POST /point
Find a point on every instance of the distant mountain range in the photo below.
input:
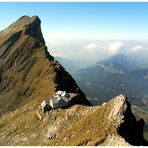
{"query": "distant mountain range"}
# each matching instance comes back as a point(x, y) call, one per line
point(126, 61)
point(118, 74)
point(70, 65)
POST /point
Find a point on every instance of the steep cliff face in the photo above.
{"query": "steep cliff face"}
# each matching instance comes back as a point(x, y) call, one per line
point(28, 73)
point(127, 125)
point(111, 124)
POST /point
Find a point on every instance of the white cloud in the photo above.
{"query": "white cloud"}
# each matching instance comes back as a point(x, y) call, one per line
point(114, 47)
point(91, 51)
point(137, 48)
point(91, 46)
point(104, 50)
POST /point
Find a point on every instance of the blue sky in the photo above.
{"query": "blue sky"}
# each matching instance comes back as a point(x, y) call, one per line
point(94, 20)
point(94, 30)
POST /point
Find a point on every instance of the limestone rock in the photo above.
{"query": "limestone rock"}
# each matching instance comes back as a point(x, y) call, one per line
point(125, 121)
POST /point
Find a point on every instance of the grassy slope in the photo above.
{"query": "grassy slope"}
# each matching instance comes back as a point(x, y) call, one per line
point(28, 73)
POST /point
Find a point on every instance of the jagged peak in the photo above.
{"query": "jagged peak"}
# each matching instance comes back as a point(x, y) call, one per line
point(24, 17)
point(29, 25)
point(24, 21)
point(119, 106)
point(34, 28)
point(28, 17)
point(122, 117)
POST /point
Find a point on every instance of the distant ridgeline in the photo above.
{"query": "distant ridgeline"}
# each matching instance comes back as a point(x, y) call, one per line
point(118, 74)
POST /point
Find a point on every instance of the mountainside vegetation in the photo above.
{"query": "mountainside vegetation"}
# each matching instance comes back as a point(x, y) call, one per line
point(28, 73)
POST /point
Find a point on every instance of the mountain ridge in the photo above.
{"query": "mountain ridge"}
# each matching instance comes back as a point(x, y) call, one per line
point(26, 66)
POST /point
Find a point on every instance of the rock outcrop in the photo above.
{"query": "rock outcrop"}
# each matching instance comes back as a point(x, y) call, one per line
point(127, 125)
point(112, 124)
point(28, 73)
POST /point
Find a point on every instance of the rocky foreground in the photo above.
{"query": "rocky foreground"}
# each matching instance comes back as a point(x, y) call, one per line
point(111, 124)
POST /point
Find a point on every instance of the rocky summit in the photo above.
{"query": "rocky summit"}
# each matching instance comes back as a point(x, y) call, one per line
point(28, 73)
point(29, 76)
